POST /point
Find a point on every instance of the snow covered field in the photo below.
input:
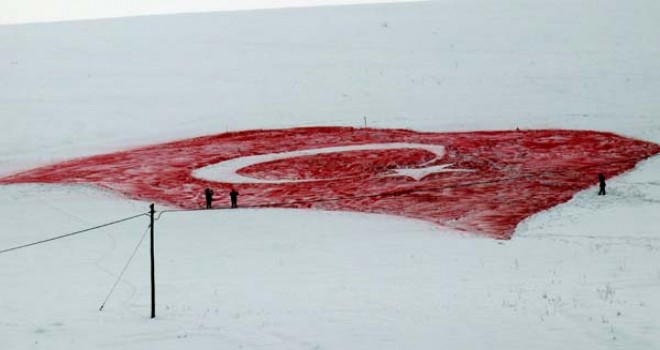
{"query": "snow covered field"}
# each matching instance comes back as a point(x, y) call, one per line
point(585, 274)
point(30, 11)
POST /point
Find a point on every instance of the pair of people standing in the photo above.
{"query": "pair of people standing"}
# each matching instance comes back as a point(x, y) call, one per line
point(208, 195)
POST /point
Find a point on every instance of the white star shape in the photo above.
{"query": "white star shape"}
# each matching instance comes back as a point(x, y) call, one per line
point(420, 173)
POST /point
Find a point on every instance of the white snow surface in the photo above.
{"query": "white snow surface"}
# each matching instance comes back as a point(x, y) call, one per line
point(30, 11)
point(583, 275)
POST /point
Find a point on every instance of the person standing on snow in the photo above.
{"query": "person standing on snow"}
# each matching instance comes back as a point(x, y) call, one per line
point(601, 181)
point(234, 198)
point(208, 195)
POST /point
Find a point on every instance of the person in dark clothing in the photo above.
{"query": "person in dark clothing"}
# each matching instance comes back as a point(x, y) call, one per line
point(234, 198)
point(208, 195)
point(601, 181)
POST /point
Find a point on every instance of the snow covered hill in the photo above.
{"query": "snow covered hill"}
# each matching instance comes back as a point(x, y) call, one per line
point(585, 274)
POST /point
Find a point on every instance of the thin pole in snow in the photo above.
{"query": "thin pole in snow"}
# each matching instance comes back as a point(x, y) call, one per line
point(152, 213)
point(365, 121)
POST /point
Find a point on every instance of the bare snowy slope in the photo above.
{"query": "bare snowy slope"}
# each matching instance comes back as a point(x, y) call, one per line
point(585, 274)
point(82, 87)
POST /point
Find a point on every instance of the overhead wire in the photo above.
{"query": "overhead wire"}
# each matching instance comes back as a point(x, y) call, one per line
point(72, 233)
point(121, 274)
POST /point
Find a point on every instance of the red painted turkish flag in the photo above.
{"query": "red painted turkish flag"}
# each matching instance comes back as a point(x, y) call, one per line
point(483, 182)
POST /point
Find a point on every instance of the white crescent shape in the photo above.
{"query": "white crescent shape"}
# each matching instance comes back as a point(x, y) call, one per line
point(227, 171)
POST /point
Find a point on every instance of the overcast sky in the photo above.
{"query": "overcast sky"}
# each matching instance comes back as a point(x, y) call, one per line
point(26, 11)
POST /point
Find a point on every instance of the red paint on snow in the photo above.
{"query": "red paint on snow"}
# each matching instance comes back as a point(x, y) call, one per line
point(515, 173)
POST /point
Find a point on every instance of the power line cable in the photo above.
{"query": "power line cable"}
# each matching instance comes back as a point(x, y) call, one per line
point(72, 233)
point(121, 274)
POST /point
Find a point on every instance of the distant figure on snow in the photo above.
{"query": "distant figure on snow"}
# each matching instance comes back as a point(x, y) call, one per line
point(208, 195)
point(601, 182)
point(234, 198)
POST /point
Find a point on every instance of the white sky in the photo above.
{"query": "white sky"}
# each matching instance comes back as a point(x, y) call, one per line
point(27, 11)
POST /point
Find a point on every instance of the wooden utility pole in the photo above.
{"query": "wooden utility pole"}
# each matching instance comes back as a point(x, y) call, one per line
point(153, 275)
